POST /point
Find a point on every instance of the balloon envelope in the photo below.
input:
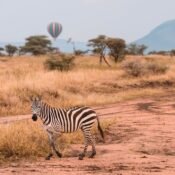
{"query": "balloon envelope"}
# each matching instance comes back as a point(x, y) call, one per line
point(54, 29)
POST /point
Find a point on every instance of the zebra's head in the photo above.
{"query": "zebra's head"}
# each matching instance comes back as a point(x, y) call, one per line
point(36, 108)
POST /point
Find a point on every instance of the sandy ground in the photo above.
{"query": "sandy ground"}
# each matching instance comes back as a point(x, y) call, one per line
point(142, 142)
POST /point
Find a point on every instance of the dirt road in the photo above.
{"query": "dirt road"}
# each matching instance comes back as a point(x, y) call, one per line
point(142, 142)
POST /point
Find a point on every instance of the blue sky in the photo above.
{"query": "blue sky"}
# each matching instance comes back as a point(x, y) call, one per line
point(83, 19)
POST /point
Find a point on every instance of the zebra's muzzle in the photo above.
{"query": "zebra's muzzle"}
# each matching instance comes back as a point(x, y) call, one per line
point(34, 117)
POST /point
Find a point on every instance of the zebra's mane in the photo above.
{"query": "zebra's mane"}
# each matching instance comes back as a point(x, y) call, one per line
point(66, 109)
point(73, 107)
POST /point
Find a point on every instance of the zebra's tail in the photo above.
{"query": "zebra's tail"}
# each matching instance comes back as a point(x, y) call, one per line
point(100, 129)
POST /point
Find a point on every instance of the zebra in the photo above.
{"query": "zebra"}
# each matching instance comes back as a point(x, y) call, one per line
point(62, 120)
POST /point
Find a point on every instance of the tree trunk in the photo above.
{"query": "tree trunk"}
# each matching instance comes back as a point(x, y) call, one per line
point(116, 58)
point(104, 58)
point(100, 61)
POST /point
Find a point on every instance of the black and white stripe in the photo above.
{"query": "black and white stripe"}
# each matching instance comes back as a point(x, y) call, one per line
point(58, 120)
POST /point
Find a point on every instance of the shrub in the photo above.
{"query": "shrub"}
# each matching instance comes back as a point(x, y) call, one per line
point(61, 62)
point(138, 68)
point(80, 52)
point(134, 68)
point(156, 68)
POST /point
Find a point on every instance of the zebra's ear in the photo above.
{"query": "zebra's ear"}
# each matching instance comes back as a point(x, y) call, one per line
point(31, 98)
point(39, 98)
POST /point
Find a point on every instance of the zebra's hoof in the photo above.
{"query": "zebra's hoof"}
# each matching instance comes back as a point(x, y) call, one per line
point(81, 156)
point(49, 156)
point(92, 155)
point(59, 154)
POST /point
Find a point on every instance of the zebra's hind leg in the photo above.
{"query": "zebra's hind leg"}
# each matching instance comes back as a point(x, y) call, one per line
point(52, 139)
point(49, 156)
point(82, 155)
point(92, 142)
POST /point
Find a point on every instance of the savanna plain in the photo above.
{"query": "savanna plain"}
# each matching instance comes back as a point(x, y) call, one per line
point(137, 93)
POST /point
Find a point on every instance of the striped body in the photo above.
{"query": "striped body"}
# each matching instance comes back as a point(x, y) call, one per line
point(67, 120)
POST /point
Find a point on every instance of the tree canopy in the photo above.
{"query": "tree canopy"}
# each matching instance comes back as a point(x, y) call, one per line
point(99, 47)
point(116, 48)
point(11, 49)
point(37, 45)
point(103, 45)
point(135, 49)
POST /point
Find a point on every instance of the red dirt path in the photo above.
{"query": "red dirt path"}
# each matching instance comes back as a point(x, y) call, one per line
point(142, 142)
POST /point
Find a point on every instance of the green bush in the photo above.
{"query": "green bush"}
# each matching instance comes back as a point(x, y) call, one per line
point(61, 62)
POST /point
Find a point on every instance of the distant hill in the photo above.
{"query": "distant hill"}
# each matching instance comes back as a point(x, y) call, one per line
point(160, 38)
point(60, 43)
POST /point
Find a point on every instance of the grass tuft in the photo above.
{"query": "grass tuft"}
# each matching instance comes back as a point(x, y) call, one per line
point(28, 140)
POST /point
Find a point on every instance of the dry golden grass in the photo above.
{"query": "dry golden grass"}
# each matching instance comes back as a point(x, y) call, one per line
point(87, 84)
point(28, 140)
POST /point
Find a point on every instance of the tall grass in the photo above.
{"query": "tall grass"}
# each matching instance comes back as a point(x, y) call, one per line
point(87, 84)
point(28, 140)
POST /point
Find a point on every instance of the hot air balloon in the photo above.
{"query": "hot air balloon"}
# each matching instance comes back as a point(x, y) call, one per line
point(54, 29)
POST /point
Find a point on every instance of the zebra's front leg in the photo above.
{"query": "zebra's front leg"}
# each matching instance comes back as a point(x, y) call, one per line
point(52, 139)
point(50, 143)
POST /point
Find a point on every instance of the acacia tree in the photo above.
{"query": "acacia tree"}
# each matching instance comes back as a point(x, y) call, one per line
point(1, 49)
point(11, 49)
point(142, 49)
point(99, 47)
point(37, 45)
point(172, 53)
point(80, 52)
point(116, 48)
point(132, 49)
point(135, 49)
